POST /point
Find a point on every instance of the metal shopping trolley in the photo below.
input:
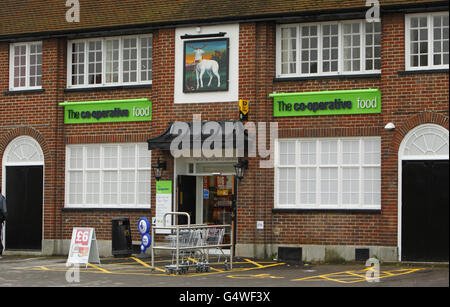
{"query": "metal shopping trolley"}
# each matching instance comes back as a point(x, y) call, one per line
point(186, 242)
point(190, 245)
point(214, 237)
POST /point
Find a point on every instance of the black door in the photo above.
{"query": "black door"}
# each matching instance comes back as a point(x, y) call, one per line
point(24, 199)
point(425, 211)
point(187, 198)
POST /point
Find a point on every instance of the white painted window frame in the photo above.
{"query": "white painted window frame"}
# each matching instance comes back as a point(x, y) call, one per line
point(27, 66)
point(318, 166)
point(86, 62)
point(430, 41)
point(102, 170)
point(320, 72)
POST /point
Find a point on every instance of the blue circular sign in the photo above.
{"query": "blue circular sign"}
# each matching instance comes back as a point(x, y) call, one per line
point(143, 225)
point(146, 240)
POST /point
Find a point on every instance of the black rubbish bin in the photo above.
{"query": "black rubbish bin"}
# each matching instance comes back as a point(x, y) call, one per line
point(121, 237)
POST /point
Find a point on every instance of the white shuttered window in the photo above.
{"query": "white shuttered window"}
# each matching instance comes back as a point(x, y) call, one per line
point(328, 173)
point(108, 175)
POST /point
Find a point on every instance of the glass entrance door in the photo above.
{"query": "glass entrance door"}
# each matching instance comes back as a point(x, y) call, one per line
point(218, 193)
point(218, 199)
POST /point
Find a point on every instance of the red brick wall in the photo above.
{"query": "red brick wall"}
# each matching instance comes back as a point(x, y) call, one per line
point(36, 115)
point(405, 98)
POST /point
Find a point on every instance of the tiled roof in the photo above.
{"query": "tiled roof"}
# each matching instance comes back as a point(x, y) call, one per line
point(40, 16)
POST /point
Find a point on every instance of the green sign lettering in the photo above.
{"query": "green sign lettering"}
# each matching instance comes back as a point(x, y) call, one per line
point(164, 187)
point(327, 103)
point(107, 111)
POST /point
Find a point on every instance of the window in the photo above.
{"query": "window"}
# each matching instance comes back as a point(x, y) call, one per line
point(26, 66)
point(427, 41)
point(335, 173)
point(110, 61)
point(108, 176)
point(330, 48)
point(289, 50)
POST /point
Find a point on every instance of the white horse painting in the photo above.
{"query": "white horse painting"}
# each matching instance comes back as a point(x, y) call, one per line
point(211, 67)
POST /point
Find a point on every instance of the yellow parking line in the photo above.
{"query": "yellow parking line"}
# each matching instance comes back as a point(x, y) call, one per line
point(357, 276)
point(256, 267)
point(98, 268)
point(146, 265)
point(122, 269)
point(255, 263)
point(217, 270)
point(141, 262)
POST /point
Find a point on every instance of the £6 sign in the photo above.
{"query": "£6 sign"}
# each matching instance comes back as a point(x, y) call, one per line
point(82, 236)
point(83, 247)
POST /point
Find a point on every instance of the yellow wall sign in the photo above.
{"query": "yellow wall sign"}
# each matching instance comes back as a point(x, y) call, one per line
point(222, 192)
point(243, 106)
point(243, 109)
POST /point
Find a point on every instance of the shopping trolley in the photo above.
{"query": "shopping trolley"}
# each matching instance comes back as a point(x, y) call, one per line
point(190, 245)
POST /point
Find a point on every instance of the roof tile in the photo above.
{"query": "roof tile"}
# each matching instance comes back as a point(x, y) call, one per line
point(36, 16)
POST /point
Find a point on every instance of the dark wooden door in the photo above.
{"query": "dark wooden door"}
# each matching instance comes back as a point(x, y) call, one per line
point(187, 198)
point(425, 214)
point(24, 200)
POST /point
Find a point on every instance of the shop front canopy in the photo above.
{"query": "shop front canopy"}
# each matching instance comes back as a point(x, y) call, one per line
point(204, 134)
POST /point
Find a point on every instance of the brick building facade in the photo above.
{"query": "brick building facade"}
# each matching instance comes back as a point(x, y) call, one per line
point(414, 97)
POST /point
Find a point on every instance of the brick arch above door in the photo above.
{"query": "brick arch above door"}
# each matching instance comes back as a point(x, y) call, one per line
point(25, 132)
point(404, 128)
point(23, 150)
point(425, 142)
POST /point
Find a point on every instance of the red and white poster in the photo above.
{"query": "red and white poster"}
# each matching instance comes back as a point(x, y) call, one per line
point(83, 247)
point(221, 182)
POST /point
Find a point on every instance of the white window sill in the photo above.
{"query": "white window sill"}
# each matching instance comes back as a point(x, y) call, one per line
point(337, 76)
point(373, 209)
point(107, 87)
point(106, 207)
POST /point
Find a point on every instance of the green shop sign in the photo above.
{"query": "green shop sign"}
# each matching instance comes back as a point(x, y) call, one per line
point(327, 103)
point(164, 187)
point(107, 111)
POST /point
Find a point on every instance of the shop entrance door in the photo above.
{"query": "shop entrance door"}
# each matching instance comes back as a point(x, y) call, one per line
point(219, 203)
point(425, 212)
point(24, 194)
point(187, 198)
point(218, 197)
point(207, 190)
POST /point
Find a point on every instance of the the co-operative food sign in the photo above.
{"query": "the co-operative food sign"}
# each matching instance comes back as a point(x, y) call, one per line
point(327, 103)
point(107, 111)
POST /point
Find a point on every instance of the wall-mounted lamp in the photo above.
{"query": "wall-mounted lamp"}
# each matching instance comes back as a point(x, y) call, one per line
point(240, 168)
point(158, 168)
point(389, 126)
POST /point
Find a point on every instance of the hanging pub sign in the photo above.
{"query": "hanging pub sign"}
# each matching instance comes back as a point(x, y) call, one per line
point(206, 65)
point(366, 101)
point(107, 111)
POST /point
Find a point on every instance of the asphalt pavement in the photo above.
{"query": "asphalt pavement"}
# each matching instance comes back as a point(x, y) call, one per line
point(254, 273)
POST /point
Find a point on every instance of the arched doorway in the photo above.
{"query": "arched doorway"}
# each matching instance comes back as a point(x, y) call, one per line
point(423, 212)
point(23, 169)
